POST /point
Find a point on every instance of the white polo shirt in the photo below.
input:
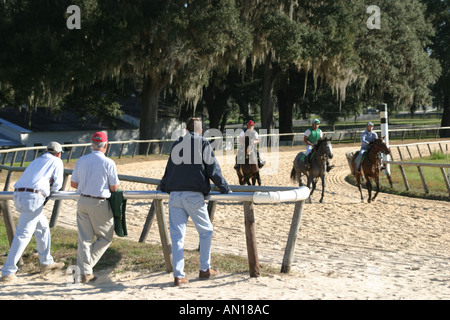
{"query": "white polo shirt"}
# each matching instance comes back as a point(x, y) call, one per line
point(94, 173)
point(39, 173)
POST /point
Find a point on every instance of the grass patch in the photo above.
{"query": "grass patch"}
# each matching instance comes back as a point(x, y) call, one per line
point(123, 255)
point(433, 177)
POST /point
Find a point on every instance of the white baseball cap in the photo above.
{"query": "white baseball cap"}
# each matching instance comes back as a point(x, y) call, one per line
point(54, 147)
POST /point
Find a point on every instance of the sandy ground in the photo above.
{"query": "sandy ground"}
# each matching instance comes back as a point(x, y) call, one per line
point(394, 248)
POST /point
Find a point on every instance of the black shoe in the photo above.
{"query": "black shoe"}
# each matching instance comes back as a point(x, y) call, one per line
point(261, 164)
point(330, 167)
point(236, 167)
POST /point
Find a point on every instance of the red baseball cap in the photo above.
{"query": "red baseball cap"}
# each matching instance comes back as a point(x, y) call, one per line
point(250, 123)
point(100, 137)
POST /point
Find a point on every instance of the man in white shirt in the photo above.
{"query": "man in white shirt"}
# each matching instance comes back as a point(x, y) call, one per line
point(42, 176)
point(95, 177)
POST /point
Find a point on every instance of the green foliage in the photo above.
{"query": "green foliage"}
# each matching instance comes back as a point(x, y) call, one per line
point(175, 49)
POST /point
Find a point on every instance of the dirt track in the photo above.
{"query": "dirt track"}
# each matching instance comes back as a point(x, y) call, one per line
point(393, 237)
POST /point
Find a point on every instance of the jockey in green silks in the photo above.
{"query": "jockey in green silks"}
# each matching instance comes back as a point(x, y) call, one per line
point(311, 137)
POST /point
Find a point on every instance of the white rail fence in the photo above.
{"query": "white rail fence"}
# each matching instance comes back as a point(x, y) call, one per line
point(131, 147)
point(248, 195)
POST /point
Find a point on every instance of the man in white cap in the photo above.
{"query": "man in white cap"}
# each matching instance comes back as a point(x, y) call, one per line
point(366, 138)
point(95, 177)
point(42, 176)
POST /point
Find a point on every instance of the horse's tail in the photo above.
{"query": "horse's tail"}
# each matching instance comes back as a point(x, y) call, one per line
point(293, 175)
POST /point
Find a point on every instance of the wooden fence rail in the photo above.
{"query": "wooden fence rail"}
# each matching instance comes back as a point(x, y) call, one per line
point(419, 166)
point(296, 195)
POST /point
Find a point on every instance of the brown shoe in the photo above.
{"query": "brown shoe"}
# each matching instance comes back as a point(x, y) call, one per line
point(180, 281)
point(208, 274)
point(52, 267)
point(85, 278)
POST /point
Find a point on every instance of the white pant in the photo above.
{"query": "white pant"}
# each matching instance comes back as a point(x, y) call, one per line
point(31, 221)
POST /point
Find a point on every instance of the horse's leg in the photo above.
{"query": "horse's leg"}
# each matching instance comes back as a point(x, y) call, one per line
point(299, 175)
point(358, 182)
point(247, 179)
point(369, 189)
point(313, 181)
point(377, 181)
point(258, 178)
point(308, 184)
point(323, 187)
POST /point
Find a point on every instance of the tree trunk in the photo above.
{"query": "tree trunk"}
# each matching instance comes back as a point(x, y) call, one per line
point(216, 104)
point(285, 108)
point(271, 72)
point(445, 122)
point(148, 128)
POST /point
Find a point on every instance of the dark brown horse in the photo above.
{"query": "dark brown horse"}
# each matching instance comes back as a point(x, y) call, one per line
point(322, 151)
point(370, 166)
point(249, 170)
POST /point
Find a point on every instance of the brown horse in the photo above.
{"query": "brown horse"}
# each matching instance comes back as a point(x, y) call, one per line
point(249, 169)
point(370, 166)
point(322, 151)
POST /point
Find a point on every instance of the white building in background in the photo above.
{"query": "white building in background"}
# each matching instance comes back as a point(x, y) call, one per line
point(68, 130)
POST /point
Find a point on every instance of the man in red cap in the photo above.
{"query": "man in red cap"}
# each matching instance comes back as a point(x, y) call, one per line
point(254, 139)
point(95, 177)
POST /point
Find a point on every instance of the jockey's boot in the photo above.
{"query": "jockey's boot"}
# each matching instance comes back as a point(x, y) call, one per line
point(307, 164)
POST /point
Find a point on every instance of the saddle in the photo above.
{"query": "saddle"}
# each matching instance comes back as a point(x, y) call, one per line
point(303, 157)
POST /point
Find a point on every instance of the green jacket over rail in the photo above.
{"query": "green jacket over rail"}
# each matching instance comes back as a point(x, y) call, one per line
point(118, 206)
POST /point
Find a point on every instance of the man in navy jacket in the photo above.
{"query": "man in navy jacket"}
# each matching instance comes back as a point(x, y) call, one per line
point(190, 168)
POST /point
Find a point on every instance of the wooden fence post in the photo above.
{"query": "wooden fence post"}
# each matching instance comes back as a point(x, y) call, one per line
point(148, 223)
point(252, 251)
point(163, 233)
point(405, 180)
point(8, 218)
point(409, 152)
point(57, 205)
point(423, 179)
point(400, 153)
point(445, 179)
point(292, 239)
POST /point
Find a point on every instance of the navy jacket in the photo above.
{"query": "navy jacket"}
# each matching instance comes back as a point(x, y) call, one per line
point(191, 165)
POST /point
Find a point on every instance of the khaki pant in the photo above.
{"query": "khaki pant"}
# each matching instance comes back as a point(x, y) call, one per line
point(95, 222)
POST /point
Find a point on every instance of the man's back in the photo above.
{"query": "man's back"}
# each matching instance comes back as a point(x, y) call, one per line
point(94, 173)
point(191, 165)
point(40, 172)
